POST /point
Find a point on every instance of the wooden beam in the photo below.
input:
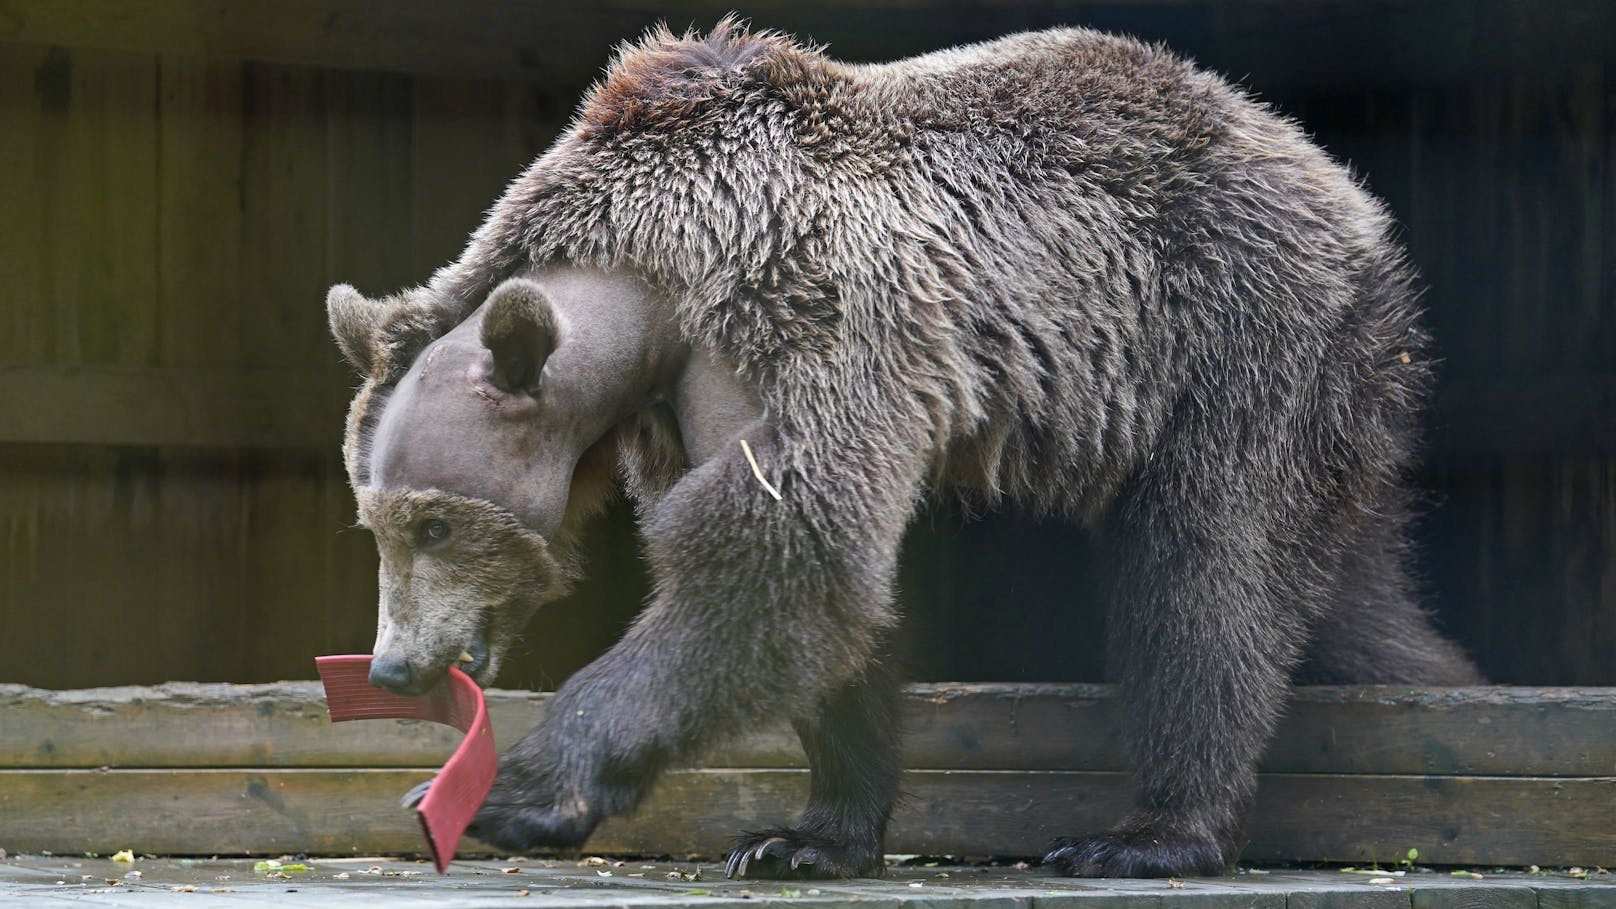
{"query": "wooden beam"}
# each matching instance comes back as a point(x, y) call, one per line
point(1299, 817)
point(109, 405)
point(1494, 731)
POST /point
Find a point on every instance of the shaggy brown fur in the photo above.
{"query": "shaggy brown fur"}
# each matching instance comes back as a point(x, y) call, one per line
point(1063, 271)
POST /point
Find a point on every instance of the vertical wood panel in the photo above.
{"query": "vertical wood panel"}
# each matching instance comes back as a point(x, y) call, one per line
point(284, 203)
point(369, 225)
point(81, 154)
point(81, 594)
point(97, 169)
point(118, 316)
point(204, 550)
point(470, 137)
point(132, 566)
point(1509, 223)
point(451, 145)
point(349, 563)
point(202, 232)
point(201, 223)
point(284, 584)
point(25, 319)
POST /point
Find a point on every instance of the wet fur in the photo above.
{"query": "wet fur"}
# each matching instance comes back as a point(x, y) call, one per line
point(1064, 272)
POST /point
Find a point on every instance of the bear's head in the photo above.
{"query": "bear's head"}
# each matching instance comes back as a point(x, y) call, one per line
point(474, 466)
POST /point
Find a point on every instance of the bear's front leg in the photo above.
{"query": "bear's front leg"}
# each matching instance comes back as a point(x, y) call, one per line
point(1208, 619)
point(764, 609)
point(852, 748)
point(529, 807)
point(557, 784)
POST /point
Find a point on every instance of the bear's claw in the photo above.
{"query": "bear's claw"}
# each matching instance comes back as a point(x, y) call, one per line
point(1139, 852)
point(783, 853)
point(413, 798)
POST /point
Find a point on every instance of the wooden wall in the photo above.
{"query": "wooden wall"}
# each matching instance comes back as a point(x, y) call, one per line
point(172, 504)
point(178, 187)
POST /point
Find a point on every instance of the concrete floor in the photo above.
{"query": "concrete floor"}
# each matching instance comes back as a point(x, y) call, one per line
point(38, 880)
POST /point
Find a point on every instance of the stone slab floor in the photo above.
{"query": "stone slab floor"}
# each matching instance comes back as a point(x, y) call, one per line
point(51, 881)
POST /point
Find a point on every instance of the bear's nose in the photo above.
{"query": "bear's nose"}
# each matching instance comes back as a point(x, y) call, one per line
point(391, 673)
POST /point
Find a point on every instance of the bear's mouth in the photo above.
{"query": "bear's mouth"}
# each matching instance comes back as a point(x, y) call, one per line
point(474, 659)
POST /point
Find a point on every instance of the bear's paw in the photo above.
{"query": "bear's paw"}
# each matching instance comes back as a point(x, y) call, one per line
point(1137, 851)
point(785, 854)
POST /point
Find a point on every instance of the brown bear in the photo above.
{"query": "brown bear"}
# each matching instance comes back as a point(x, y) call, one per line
point(779, 299)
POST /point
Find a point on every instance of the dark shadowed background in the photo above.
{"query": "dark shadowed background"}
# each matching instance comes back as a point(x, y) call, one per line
point(181, 180)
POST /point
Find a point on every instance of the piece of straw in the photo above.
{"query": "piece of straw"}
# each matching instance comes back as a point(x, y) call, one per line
point(758, 471)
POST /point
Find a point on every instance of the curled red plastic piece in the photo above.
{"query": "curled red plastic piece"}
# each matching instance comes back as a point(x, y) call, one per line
point(461, 786)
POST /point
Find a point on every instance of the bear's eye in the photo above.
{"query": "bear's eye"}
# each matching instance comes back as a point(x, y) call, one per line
point(434, 530)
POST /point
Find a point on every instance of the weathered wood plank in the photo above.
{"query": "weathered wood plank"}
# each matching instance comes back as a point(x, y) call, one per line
point(1497, 730)
point(1451, 820)
point(1441, 732)
point(1486, 895)
point(180, 407)
point(1578, 898)
point(1551, 731)
point(1299, 817)
point(1383, 898)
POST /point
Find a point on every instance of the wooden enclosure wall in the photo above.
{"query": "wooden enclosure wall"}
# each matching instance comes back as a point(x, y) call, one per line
point(172, 503)
point(180, 184)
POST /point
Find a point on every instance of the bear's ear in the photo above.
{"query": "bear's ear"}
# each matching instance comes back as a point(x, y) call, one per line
point(520, 329)
point(354, 320)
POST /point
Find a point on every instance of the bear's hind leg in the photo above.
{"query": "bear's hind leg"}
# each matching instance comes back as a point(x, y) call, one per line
point(852, 747)
point(1373, 631)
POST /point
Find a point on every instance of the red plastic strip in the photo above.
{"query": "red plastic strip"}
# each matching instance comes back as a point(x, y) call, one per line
point(461, 786)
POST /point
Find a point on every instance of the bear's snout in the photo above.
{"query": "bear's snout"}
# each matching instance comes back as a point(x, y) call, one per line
point(394, 674)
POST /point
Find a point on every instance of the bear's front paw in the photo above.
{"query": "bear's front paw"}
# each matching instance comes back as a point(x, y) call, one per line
point(782, 853)
point(526, 815)
point(518, 828)
point(506, 821)
point(1146, 850)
